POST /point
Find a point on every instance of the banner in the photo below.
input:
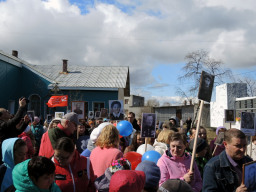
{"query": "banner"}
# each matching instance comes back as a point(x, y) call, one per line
point(58, 101)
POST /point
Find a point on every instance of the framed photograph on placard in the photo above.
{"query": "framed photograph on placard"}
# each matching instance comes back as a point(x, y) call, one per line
point(247, 123)
point(103, 113)
point(31, 115)
point(78, 107)
point(59, 115)
point(116, 110)
point(97, 114)
point(91, 115)
point(148, 125)
point(49, 118)
point(249, 176)
point(205, 87)
point(230, 115)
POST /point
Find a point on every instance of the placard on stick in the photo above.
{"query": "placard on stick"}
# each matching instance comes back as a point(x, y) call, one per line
point(205, 87)
point(148, 125)
point(249, 176)
point(230, 115)
point(248, 123)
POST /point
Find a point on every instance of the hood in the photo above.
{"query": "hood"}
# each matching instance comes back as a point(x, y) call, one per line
point(169, 155)
point(7, 152)
point(160, 147)
point(90, 145)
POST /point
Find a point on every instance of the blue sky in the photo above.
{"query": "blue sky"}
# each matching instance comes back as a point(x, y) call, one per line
point(151, 37)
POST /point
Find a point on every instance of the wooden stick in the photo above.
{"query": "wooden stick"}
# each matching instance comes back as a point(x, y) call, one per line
point(146, 142)
point(196, 136)
point(214, 150)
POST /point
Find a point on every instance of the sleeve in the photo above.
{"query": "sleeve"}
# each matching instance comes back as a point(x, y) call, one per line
point(209, 179)
point(164, 171)
point(198, 179)
point(118, 155)
point(91, 185)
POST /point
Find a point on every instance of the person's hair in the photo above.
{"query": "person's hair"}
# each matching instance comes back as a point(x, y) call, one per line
point(134, 144)
point(233, 133)
point(191, 130)
point(131, 113)
point(201, 127)
point(178, 137)
point(164, 136)
point(108, 138)
point(165, 125)
point(1, 111)
point(18, 143)
point(38, 166)
point(115, 103)
point(65, 144)
point(254, 138)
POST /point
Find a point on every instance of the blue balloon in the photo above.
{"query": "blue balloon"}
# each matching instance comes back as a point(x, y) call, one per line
point(125, 128)
point(151, 156)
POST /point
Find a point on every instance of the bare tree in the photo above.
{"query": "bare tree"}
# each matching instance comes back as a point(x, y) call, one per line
point(166, 104)
point(196, 62)
point(251, 85)
point(152, 103)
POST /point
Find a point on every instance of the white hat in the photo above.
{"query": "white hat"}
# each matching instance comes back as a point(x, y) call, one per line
point(96, 132)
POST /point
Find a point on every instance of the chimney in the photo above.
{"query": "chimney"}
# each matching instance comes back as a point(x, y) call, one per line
point(185, 102)
point(65, 66)
point(190, 101)
point(14, 53)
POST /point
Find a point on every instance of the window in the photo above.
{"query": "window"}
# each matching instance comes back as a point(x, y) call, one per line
point(35, 104)
point(97, 106)
point(126, 101)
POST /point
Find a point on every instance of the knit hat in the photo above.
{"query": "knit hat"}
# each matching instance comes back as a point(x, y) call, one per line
point(200, 144)
point(120, 164)
point(36, 119)
point(218, 128)
point(73, 117)
point(127, 181)
point(152, 173)
point(175, 185)
point(96, 132)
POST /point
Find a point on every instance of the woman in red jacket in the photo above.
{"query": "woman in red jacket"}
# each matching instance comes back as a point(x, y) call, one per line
point(73, 172)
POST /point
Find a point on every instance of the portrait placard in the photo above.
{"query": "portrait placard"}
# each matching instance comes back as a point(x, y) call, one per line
point(249, 175)
point(230, 115)
point(49, 118)
point(220, 138)
point(91, 114)
point(31, 115)
point(116, 110)
point(148, 125)
point(205, 87)
point(97, 114)
point(247, 123)
point(79, 108)
point(59, 115)
point(103, 113)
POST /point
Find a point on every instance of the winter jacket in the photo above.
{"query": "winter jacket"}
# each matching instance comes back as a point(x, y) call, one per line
point(25, 137)
point(49, 140)
point(8, 159)
point(135, 125)
point(23, 183)
point(37, 131)
point(75, 177)
point(102, 158)
point(176, 167)
point(219, 174)
point(160, 147)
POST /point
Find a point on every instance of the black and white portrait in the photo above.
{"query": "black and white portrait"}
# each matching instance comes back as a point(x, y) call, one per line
point(230, 115)
point(78, 108)
point(148, 125)
point(206, 85)
point(97, 114)
point(59, 115)
point(103, 113)
point(247, 120)
point(91, 115)
point(116, 110)
point(250, 176)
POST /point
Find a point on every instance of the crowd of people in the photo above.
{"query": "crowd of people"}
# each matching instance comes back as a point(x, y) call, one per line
point(90, 155)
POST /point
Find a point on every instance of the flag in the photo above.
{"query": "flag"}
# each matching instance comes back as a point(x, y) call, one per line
point(58, 101)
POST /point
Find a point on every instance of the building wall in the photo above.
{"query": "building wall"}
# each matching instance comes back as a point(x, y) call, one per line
point(138, 111)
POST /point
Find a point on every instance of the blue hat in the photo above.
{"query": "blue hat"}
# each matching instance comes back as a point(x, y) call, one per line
point(152, 173)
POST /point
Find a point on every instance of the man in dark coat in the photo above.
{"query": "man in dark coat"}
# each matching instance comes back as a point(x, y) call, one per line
point(133, 121)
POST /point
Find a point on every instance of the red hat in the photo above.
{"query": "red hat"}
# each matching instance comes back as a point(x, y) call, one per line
point(127, 181)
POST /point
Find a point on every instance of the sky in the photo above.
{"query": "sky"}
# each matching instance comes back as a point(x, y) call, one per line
point(152, 37)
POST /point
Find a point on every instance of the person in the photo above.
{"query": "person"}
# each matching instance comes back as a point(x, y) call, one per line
point(175, 164)
point(106, 150)
point(73, 172)
point(66, 128)
point(78, 109)
point(152, 173)
point(162, 142)
point(148, 126)
point(136, 142)
point(102, 182)
point(127, 181)
point(36, 174)
point(116, 113)
point(8, 124)
point(173, 123)
point(205, 90)
point(217, 150)
point(28, 137)
point(175, 185)
point(54, 124)
point(251, 148)
point(133, 121)
point(224, 172)
point(189, 122)
point(82, 138)
point(38, 131)
point(14, 151)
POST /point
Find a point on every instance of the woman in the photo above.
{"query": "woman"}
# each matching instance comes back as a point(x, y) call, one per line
point(175, 164)
point(136, 142)
point(36, 174)
point(106, 150)
point(162, 141)
point(73, 172)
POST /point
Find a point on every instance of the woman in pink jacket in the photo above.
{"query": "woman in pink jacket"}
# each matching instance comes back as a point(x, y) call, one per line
point(175, 164)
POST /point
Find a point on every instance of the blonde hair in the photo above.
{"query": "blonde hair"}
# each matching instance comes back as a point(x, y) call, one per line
point(108, 138)
point(165, 136)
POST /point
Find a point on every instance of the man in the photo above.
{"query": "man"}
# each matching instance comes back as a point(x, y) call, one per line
point(38, 131)
point(189, 122)
point(148, 127)
point(66, 128)
point(133, 121)
point(12, 127)
point(224, 172)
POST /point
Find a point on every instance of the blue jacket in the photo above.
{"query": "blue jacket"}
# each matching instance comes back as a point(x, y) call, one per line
point(219, 174)
point(22, 181)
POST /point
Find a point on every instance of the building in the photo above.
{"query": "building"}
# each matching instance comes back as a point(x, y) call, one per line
point(93, 85)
